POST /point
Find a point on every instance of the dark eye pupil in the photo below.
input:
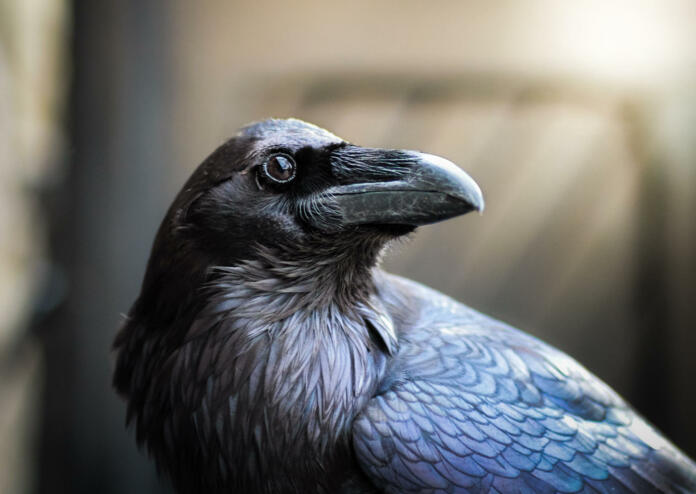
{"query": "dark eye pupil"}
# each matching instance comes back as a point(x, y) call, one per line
point(280, 168)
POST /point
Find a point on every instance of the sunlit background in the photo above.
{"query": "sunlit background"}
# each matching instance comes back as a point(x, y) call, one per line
point(578, 120)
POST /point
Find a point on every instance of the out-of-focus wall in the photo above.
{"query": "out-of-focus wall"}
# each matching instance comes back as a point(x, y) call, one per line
point(32, 70)
point(577, 119)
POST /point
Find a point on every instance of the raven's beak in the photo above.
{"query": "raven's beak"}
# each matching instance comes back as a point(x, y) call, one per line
point(389, 187)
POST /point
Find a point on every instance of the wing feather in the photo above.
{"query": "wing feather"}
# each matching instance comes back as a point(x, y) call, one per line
point(477, 406)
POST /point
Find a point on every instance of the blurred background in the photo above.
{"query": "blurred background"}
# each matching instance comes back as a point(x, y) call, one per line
point(578, 120)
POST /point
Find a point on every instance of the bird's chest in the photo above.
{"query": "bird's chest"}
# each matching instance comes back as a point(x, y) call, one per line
point(278, 408)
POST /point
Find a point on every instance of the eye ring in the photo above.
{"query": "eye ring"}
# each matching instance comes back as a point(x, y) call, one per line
point(279, 169)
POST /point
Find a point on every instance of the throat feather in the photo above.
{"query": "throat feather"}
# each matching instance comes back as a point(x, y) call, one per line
point(301, 357)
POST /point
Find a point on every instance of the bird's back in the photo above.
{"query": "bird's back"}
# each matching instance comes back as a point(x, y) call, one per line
point(473, 405)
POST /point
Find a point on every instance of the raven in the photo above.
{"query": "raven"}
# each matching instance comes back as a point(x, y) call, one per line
point(267, 353)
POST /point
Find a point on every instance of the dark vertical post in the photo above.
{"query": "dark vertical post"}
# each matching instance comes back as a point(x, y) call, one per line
point(652, 393)
point(102, 226)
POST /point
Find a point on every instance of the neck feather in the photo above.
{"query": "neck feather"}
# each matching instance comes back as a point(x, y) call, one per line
point(303, 345)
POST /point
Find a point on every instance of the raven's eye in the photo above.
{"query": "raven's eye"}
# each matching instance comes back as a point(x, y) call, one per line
point(279, 168)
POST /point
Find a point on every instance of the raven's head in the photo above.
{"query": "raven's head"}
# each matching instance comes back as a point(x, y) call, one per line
point(286, 182)
point(291, 186)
